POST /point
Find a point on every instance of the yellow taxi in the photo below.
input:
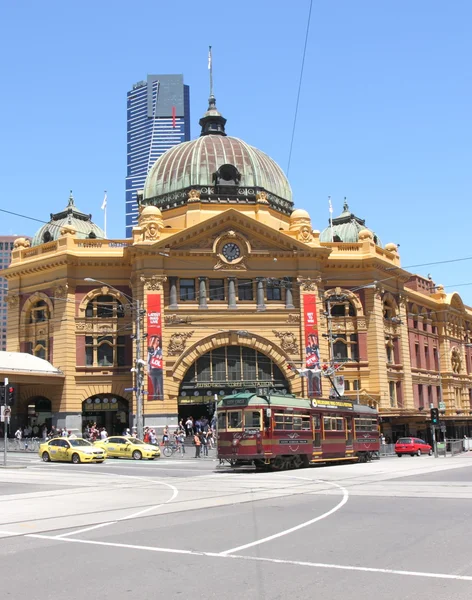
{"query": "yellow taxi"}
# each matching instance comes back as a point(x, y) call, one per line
point(75, 450)
point(128, 447)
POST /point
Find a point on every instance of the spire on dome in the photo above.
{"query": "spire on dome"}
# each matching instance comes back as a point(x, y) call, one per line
point(212, 122)
point(71, 199)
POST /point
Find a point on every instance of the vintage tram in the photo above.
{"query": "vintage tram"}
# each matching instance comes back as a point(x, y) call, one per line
point(278, 432)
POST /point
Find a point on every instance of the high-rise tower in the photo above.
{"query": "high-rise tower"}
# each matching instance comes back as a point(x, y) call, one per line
point(158, 117)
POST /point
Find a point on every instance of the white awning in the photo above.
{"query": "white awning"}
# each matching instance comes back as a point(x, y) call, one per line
point(23, 363)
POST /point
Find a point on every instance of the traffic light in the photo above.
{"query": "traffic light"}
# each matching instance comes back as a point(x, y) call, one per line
point(10, 392)
point(2, 394)
point(434, 416)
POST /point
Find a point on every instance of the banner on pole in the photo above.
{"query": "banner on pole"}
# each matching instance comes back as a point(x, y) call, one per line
point(155, 358)
point(312, 347)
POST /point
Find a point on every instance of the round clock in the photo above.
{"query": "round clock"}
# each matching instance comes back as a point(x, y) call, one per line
point(231, 251)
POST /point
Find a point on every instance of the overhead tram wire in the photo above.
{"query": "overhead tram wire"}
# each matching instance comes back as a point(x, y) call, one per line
point(299, 87)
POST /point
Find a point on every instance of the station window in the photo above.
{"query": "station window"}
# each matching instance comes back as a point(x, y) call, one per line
point(217, 289)
point(187, 289)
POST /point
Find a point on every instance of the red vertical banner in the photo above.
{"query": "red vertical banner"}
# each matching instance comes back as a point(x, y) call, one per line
point(312, 347)
point(174, 115)
point(154, 339)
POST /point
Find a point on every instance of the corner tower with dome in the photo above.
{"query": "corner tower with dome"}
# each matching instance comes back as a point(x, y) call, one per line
point(226, 286)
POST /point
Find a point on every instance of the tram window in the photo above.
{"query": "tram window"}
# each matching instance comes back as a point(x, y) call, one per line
point(333, 423)
point(340, 424)
point(252, 418)
point(297, 423)
point(327, 423)
point(365, 424)
point(221, 421)
point(234, 419)
point(306, 423)
point(279, 421)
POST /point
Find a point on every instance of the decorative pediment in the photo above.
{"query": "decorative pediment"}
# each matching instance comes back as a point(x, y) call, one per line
point(260, 236)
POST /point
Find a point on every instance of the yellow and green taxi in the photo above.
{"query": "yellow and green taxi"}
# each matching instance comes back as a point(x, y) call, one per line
point(75, 450)
point(128, 447)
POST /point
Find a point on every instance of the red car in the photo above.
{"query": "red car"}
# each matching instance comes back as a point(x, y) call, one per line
point(412, 446)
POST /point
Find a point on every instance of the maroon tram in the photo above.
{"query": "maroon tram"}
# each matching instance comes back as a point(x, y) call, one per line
point(284, 432)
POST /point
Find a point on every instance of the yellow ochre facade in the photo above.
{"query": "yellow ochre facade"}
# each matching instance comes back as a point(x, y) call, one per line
point(219, 241)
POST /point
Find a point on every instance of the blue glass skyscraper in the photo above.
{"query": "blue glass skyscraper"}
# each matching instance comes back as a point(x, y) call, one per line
point(158, 117)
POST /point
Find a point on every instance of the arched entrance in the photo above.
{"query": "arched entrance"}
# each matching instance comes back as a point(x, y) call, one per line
point(106, 410)
point(223, 371)
point(39, 413)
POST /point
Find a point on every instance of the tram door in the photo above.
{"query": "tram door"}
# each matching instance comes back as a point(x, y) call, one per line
point(349, 433)
point(316, 433)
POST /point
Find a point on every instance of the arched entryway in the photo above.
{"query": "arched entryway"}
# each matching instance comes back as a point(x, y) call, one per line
point(223, 371)
point(39, 413)
point(106, 410)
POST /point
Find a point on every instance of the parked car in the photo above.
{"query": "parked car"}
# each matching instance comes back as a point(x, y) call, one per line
point(413, 446)
point(128, 447)
point(75, 450)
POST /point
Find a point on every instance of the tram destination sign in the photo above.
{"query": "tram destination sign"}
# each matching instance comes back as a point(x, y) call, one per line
point(233, 384)
point(332, 403)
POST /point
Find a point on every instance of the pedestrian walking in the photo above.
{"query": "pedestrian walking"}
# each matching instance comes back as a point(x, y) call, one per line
point(204, 438)
point(198, 445)
point(189, 426)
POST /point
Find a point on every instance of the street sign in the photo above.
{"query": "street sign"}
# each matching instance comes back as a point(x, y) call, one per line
point(5, 413)
point(442, 406)
point(443, 427)
point(130, 389)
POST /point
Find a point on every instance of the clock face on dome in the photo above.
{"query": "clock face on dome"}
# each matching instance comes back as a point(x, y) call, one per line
point(231, 251)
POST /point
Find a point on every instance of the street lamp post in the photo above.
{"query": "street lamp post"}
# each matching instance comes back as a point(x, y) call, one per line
point(138, 369)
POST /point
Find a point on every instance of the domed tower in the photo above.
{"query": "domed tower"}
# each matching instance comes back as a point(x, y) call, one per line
point(73, 219)
point(216, 168)
point(346, 228)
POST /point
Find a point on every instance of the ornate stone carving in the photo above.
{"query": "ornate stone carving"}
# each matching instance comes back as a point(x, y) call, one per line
point(223, 266)
point(68, 230)
point(176, 319)
point(105, 328)
point(288, 341)
point(193, 196)
point(61, 291)
point(21, 242)
point(261, 197)
point(83, 326)
point(12, 300)
point(304, 234)
point(456, 360)
point(153, 283)
point(177, 342)
point(307, 285)
point(294, 319)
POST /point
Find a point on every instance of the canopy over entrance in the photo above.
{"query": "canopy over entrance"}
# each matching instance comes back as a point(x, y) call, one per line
point(21, 367)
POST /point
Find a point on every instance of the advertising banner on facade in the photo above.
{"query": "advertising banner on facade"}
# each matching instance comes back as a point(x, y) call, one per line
point(312, 347)
point(154, 339)
point(338, 386)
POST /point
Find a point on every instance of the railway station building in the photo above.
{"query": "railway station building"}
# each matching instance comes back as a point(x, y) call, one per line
point(226, 286)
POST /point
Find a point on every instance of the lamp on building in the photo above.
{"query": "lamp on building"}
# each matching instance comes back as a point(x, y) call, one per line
point(139, 362)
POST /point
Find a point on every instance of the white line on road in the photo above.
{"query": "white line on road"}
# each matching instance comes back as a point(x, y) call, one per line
point(175, 491)
point(297, 527)
point(278, 561)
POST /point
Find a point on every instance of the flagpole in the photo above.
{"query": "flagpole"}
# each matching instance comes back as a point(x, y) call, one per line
point(210, 68)
point(331, 218)
point(104, 206)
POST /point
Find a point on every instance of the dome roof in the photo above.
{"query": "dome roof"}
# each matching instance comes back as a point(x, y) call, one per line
point(194, 163)
point(72, 217)
point(300, 213)
point(346, 228)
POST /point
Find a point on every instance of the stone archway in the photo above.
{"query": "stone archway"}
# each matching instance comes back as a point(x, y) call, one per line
point(233, 338)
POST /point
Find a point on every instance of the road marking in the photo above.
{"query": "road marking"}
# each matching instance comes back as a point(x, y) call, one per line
point(175, 492)
point(278, 561)
point(297, 527)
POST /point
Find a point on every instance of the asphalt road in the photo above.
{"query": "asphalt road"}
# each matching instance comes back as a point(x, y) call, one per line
point(188, 528)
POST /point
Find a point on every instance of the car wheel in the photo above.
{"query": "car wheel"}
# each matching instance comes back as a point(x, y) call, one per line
point(430, 453)
point(412, 454)
point(418, 452)
point(399, 455)
point(137, 455)
point(45, 456)
point(75, 458)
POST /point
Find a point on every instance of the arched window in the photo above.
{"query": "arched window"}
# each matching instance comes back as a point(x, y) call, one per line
point(389, 309)
point(104, 307)
point(37, 329)
point(105, 351)
point(340, 350)
point(39, 312)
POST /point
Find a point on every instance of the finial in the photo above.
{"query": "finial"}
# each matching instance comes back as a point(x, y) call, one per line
point(71, 199)
point(345, 205)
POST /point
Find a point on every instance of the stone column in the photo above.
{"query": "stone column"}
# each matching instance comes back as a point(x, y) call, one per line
point(173, 293)
point(232, 292)
point(288, 294)
point(202, 293)
point(260, 293)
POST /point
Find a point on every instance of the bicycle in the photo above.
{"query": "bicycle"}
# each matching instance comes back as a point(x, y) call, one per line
point(170, 448)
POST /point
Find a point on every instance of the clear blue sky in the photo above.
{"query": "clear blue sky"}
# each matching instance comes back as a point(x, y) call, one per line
point(384, 115)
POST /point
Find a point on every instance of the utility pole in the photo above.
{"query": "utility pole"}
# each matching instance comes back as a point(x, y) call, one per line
point(139, 375)
point(5, 422)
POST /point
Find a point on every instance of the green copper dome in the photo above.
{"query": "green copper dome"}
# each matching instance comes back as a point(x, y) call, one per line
point(72, 217)
point(346, 228)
